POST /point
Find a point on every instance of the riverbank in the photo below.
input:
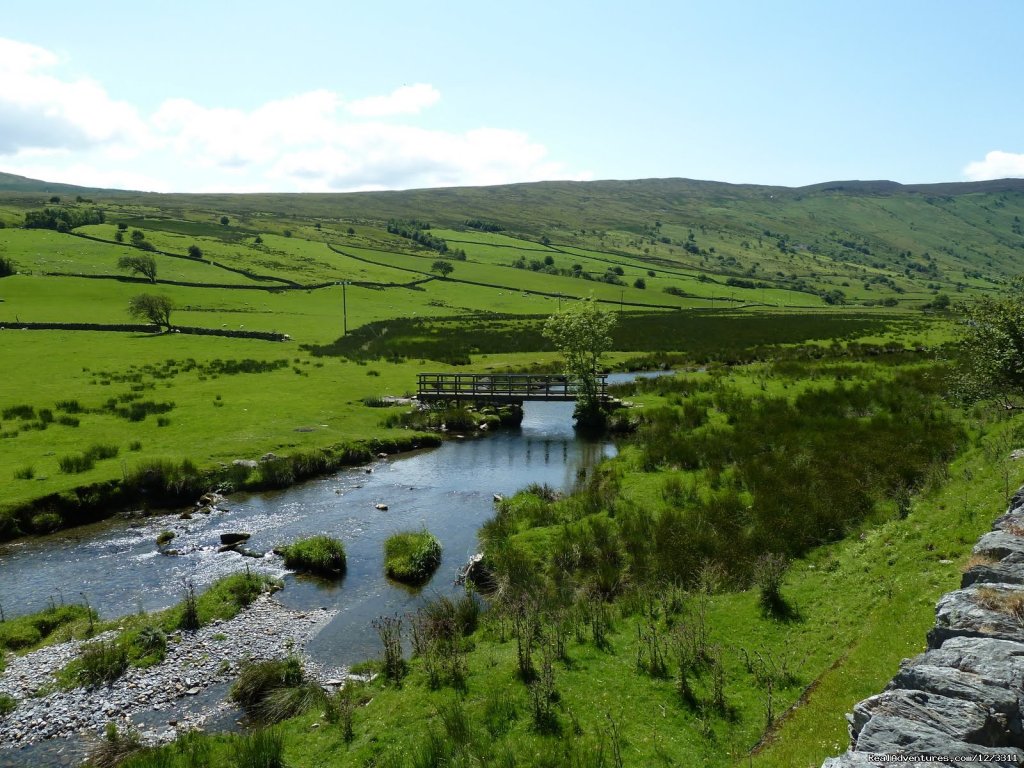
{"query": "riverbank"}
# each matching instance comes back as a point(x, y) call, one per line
point(159, 487)
point(158, 701)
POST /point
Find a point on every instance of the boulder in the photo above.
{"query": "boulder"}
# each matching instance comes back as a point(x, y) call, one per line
point(966, 686)
point(1009, 570)
point(236, 537)
point(268, 457)
point(960, 613)
point(893, 735)
point(381, 507)
point(248, 463)
point(958, 719)
point(998, 544)
point(863, 759)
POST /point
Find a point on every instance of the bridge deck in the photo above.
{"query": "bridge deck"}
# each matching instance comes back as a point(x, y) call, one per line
point(501, 387)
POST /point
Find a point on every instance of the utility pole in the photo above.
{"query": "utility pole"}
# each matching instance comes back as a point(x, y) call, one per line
point(621, 291)
point(344, 308)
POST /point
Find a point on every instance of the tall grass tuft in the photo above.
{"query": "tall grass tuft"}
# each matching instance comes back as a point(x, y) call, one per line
point(411, 557)
point(260, 749)
point(321, 555)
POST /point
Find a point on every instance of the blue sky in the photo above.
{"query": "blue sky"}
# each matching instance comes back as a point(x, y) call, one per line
point(339, 96)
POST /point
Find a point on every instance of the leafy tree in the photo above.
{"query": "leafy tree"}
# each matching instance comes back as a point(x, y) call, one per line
point(443, 268)
point(155, 309)
point(137, 236)
point(121, 226)
point(991, 348)
point(139, 264)
point(195, 252)
point(640, 283)
point(7, 267)
point(224, 221)
point(119, 236)
point(581, 332)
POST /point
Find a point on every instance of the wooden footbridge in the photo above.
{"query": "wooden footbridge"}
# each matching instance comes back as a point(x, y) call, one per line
point(502, 387)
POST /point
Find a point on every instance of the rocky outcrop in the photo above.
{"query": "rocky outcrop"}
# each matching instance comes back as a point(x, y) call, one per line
point(963, 697)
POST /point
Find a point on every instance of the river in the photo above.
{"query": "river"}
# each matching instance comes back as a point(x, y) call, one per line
point(117, 568)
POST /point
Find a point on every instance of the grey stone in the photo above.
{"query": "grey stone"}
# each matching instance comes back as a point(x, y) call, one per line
point(999, 544)
point(1009, 570)
point(234, 537)
point(893, 735)
point(959, 719)
point(960, 613)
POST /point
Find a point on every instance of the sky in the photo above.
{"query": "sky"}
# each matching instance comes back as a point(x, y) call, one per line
point(311, 96)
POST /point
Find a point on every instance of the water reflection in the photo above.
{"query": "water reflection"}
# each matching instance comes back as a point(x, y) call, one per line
point(448, 490)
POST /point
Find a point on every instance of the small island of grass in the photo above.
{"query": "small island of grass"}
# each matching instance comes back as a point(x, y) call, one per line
point(411, 557)
point(320, 555)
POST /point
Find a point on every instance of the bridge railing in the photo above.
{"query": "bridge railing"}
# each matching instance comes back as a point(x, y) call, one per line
point(504, 386)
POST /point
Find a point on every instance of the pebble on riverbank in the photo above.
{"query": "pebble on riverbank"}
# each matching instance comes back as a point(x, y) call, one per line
point(198, 660)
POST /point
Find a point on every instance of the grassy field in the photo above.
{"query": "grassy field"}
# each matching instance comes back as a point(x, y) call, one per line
point(602, 685)
point(799, 316)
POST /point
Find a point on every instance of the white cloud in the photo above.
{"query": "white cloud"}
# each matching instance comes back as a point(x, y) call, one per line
point(71, 130)
point(41, 111)
point(407, 100)
point(996, 165)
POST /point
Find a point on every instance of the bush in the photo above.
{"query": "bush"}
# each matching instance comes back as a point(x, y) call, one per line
point(260, 749)
point(411, 557)
point(7, 705)
point(145, 646)
point(321, 555)
point(46, 522)
point(272, 691)
point(101, 662)
point(73, 465)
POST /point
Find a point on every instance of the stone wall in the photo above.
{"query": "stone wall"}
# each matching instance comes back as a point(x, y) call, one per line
point(962, 700)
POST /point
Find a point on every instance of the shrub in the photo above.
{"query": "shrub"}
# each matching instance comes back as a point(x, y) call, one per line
point(114, 749)
point(7, 705)
point(145, 646)
point(46, 522)
point(411, 557)
point(25, 473)
point(101, 662)
point(272, 691)
point(72, 465)
point(259, 749)
point(321, 555)
point(99, 451)
point(164, 537)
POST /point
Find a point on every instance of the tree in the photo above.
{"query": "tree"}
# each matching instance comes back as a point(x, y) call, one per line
point(139, 264)
point(581, 332)
point(640, 283)
point(155, 309)
point(224, 221)
point(443, 268)
point(195, 252)
point(991, 348)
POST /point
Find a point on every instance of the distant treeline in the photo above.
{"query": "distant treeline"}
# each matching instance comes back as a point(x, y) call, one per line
point(63, 219)
point(417, 232)
point(484, 226)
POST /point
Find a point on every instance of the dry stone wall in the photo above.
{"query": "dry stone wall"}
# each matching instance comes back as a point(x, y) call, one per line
point(962, 700)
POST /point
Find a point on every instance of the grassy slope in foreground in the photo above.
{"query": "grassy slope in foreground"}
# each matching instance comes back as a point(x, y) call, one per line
point(864, 604)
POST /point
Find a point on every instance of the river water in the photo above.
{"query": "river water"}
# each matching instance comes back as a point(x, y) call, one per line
point(449, 490)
